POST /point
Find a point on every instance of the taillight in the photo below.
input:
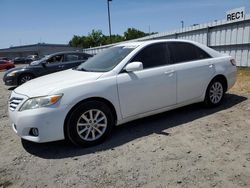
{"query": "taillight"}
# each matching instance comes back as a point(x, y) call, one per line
point(233, 62)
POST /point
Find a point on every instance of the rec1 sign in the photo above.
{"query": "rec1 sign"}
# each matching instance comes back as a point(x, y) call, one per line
point(236, 14)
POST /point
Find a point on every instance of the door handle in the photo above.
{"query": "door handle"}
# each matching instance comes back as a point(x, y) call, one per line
point(61, 66)
point(211, 66)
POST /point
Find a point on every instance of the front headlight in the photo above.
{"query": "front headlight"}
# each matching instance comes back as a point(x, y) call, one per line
point(39, 102)
point(13, 73)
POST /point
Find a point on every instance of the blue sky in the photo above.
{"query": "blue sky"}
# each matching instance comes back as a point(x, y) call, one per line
point(56, 21)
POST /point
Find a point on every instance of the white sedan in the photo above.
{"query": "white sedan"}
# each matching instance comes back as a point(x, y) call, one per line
point(121, 84)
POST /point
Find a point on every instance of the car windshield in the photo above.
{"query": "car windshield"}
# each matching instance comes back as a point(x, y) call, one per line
point(106, 60)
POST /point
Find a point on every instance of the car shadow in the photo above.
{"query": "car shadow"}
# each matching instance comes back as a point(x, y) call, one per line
point(123, 134)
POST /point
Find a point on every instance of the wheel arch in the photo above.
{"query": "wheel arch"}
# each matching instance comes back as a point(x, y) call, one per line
point(26, 73)
point(98, 99)
point(223, 79)
point(224, 83)
point(220, 77)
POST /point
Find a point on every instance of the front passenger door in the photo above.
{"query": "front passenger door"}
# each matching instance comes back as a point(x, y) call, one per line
point(150, 89)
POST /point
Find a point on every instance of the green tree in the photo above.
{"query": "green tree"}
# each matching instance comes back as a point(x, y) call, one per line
point(97, 38)
point(116, 38)
point(75, 41)
point(133, 33)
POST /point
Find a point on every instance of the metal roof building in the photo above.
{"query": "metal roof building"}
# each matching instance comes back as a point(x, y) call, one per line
point(224, 36)
point(39, 49)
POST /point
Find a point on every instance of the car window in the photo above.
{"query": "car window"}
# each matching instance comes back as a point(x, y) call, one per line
point(183, 52)
point(55, 59)
point(71, 57)
point(152, 56)
point(83, 57)
point(201, 54)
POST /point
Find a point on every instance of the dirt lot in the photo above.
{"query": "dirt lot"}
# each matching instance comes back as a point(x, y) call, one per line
point(189, 147)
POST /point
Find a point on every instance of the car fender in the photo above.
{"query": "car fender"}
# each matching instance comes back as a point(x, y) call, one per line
point(103, 88)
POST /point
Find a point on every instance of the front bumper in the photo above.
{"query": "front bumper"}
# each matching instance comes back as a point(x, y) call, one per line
point(48, 120)
point(10, 81)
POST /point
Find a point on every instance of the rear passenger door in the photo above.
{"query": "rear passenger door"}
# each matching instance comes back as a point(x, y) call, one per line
point(194, 69)
point(73, 59)
point(150, 89)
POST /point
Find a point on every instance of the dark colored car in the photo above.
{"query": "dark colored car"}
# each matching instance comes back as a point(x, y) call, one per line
point(5, 58)
point(49, 64)
point(19, 60)
point(4, 64)
point(31, 58)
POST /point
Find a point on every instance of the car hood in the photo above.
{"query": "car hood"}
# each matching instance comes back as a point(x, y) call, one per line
point(18, 69)
point(10, 70)
point(14, 69)
point(45, 85)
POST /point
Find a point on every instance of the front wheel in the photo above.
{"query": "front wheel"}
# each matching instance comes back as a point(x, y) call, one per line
point(215, 93)
point(25, 78)
point(89, 123)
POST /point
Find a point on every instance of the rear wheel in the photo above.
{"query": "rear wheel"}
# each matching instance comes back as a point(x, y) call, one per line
point(90, 123)
point(25, 78)
point(215, 93)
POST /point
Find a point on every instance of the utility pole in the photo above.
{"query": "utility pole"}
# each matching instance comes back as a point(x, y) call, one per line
point(109, 21)
point(182, 24)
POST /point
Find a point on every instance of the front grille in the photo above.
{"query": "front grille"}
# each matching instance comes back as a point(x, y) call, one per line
point(14, 102)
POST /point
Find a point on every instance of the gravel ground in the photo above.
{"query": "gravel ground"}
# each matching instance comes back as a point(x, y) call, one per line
point(188, 147)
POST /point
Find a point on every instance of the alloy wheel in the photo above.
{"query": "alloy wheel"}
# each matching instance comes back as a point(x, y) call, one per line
point(91, 125)
point(216, 92)
point(25, 78)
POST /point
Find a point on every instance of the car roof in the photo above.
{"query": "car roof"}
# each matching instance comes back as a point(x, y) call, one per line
point(67, 52)
point(211, 51)
point(139, 43)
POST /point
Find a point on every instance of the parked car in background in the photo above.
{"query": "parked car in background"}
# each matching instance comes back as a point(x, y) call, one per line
point(31, 58)
point(49, 64)
point(4, 64)
point(5, 58)
point(19, 60)
point(121, 84)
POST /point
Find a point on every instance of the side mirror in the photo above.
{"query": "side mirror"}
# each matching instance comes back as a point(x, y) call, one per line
point(134, 66)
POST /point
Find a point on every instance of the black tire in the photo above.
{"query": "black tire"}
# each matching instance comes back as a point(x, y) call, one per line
point(80, 116)
point(215, 93)
point(24, 78)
